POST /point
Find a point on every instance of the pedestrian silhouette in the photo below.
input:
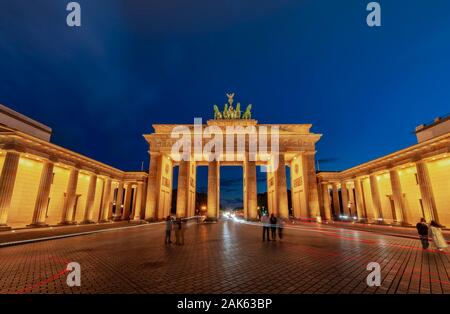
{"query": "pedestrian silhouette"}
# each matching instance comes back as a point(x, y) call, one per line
point(280, 227)
point(168, 230)
point(422, 230)
point(179, 232)
point(273, 226)
point(435, 233)
point(265, 224)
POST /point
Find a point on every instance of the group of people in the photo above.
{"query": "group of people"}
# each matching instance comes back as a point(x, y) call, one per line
point(270, 227)
point(432, 231)
point(176, 226)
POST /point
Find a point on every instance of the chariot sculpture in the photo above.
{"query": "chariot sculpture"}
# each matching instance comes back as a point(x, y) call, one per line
point(232, 113)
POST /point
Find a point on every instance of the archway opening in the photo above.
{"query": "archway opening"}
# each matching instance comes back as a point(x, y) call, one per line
point(231, 190)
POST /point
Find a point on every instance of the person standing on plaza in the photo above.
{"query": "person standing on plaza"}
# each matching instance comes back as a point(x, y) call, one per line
point(435, 233)
point(177, 229)
point(182, 230)
point(422, 229)
point(265, 224)
point(273, 226)
point(168, 230)
point(280, 227)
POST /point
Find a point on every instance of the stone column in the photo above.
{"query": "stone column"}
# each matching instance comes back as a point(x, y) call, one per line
point(426, 191)
point(127, 203)
point(360, 206)
point(326, 201)
point(40, 206)
point(152, 187)
point(106, 200)
point(344, 194)
point(397, 195)
point(119, 202)
point(7, 180)
point(138, 202)
point(336, 206)
point(310, 184)
point(133, 202)
point(375, 197)
point(252, 201)
point(283, 209)
point(111, 202)
point(183, 188)
point(90, 198)
point(213, 186)
point(352, 201)
point(69, 201)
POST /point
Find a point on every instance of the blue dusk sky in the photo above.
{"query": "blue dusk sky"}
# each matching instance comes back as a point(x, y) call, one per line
point(135, 63)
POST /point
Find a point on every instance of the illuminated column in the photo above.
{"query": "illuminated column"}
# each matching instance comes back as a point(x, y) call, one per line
point(119, 202)
point(344, 194)
point(271, 190)
point(336, 206)
point(111, 201)
point(90, 198)
point(213, 186)
point(152, 187)
point(310, 183)
point(326, 201)
point(252, 202)
point(281, 186)
point(244, 188)
point(138, 202)
point(426, 191)
point(40, 206)
point(127, 202)
point(397, 195)
point(7, 180)
point(352, 201)
point(69, 201)
point(360, 206)
point(106, 200)
point(192, 185)
point(183, 188)
point(133, 202)
point(375, 197)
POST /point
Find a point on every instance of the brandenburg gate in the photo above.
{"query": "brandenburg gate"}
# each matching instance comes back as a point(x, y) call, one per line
point(232, 139)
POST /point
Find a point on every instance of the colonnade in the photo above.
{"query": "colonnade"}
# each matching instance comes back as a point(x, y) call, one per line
point(159, 190)
point(389, 196)
point(126, 199)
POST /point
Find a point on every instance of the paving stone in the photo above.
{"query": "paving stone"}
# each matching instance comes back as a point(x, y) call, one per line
point(227, 257)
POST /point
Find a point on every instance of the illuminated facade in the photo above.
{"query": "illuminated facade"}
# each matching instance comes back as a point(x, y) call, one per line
point(44, 184)
point(295, 149)
point(398, 188)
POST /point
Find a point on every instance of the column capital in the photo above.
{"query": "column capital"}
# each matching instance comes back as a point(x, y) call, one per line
point(13, 147)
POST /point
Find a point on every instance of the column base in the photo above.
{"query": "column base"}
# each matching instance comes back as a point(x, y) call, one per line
point(67, 223)
point(38, 225)
point(103, 221)
point(138, 221)
point(5, 228)
point(117, 218)
point(87, 222)
point(401, 224)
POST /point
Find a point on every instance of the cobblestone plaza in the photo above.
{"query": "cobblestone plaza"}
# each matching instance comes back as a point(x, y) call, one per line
point(227, 257)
